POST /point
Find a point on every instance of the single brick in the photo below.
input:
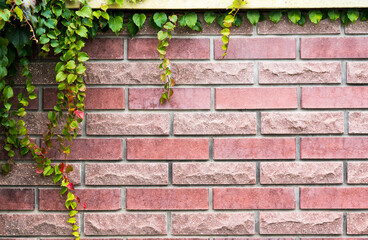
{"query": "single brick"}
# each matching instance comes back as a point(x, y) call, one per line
point(190, 48)
point(334, 148)
point(333, 47)
point(302, 122)
point(286, 223)
point(357, 223)
point(254, 148)
point(358, 122)
point(95, 199)
point(257, 48)
point(215, 123)
point(92, 149)
point(125, 224)
point(357, 173)
point(96, 98)
point(127, 174)
point(285, 26)
point(301, 173)
point(183, 98)
point(256, 98)
point(299, 72)
point(357, 73)
point(168, 149)
point(213, 223)
point(30, 225)
point(24, 174)
point(128, 124)
point(334, 97)
point(214, 173)
point(359, 27)
point(167, 199)
point(253, 198)
point(17, 199)
point(42, 73)
point(105, 48)
point(333, 198)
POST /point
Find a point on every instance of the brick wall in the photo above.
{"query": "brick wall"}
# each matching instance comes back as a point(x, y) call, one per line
point(269, 143)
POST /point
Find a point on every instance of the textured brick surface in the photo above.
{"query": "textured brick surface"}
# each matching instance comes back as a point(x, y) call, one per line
point(254, 148)
point(253, 198)
point(301, 173)
point(357, 223)
point(299, 72)
point(32, 104)
point(215, 123)
point(358, 122)
point(214, 173)
point(105, 48)
point(256, 98)
point(359, 27)
point(357, 73)
point(167, 199)
point(301, 223)
point(357, 173)
point(212, 223)
point(17, 199)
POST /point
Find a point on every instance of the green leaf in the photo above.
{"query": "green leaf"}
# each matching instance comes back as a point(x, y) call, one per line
point(81, 68)
point(19, 37)
point(72, 220)
point(139, 20)
point(48, 171)
point(19, 13)
point(5, 168)
point(209, 17)
point(82, 56)
point(57, 178)
point(160, 19)
point(8, 92)
point(253, 16)
point(295, 16)
point(161, 35)
point(182, 21)
point(72, 213)
point(302, 20)
point(191, 19)
point(70, 196)
point(75, 234)
point(173, 18)
point(71, 78)
point(132, 28)
point(116, 24)
point(238, 21)
point(333, 14)
point(70, 64)
point(75, 227)
point(353, 15)
point(315, 16)
point(275, 16)
point(44, 39)
point(5, 14)
point(82, 31)
point(67, 56)
point(85, 12)
point(364, 15)
point(60, 77)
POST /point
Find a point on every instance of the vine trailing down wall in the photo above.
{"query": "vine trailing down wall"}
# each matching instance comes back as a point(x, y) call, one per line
point(46, 30)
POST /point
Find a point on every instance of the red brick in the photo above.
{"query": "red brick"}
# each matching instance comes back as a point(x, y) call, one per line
point(253, 198)
point(357, 223)
point(334, 97)
point(333, 198)
point(167, 239)
point(167, 199)
point(125, 224)
point(42, 73)
point(254, 148)
point(105, 48)
point(96, 98)
point(334, 47)
point(358, 122)
point(357, 73)
point(257, 48)
point(357, 172)
point(256, 98)
point(17, 199)
point(183, 98)
point(359, 27)
point(255, 238)
point(168, 149)
point(336, 238)
point(334, 148)
point(95, 199)
point(91, 149)
point(146, 48)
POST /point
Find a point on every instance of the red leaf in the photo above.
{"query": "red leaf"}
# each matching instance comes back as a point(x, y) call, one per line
point(70, 186)
point(84, 205)
point(68, 169)
point(79, 113)
point(61, 167)
point(78, 199)
point(39, 169)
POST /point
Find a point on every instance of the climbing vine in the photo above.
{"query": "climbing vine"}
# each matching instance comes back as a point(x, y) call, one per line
point(60, 31)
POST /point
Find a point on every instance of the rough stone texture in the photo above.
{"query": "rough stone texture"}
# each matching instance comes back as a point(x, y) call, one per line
point(215, 123)
point(17, 199)
point(105, 48)
point(334, 148)
point(168, 149)
point(127, 174)
point(357, 173)
point(92, 149)
point(42, 73)
point(254, 148)
point(285, 26)
point(357, 223)
point(214, 173)
point(333, 198)
point(167, 199)
point(183, 98)
point(24, 174)
point(301, 173)
point(253, 198)
point(357, 73)
point(302, 123)
point(333, 47)
point(358, 122)
point(95, 199)
point(299, 72)
point(358, 27)
point(256, 98)
point(334, 97)
point(257, 48)
point(35, 225)
point(300, 223)
point(145, 48)
point(128, 124)
point(213, 223)
point(124, 224)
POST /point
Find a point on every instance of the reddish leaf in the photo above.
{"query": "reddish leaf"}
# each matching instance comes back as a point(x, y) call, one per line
point(70, 186)
point(68, 169)
point(78, 199)
point(79, 113)
point(61, 167)
point(84, 205)
point(39, 169)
